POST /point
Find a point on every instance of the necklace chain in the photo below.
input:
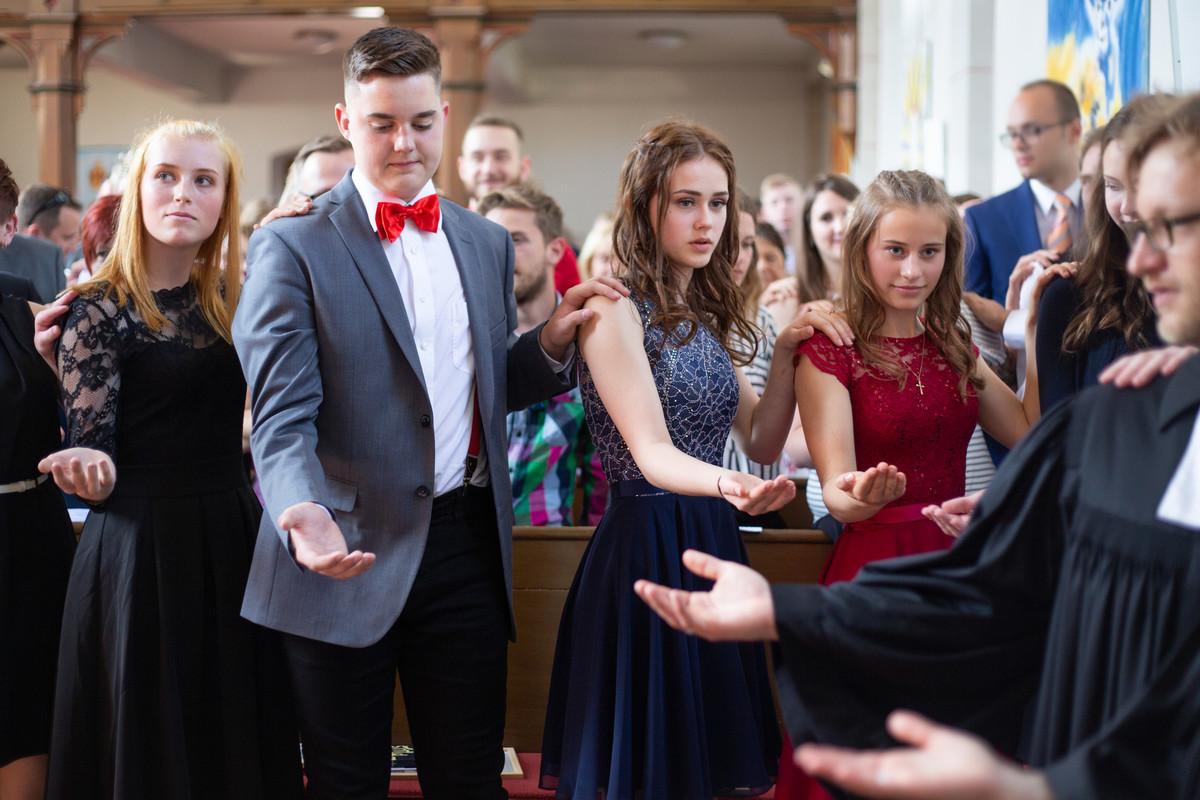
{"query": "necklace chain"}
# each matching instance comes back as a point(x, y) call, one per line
point(920, 371)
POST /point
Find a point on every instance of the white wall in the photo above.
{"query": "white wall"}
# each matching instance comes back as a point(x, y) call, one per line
point(269, 112)
point(980, 52)
point(580, 122)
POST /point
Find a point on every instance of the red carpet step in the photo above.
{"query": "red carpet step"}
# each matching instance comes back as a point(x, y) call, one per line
point(525, 788)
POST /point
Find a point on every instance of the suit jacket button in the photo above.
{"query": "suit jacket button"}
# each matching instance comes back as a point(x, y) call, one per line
point(422, 492)
point(425, 420)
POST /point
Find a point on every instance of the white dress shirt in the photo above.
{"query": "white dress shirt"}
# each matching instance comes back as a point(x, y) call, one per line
point(1181, 502)
point(1046, 202)
point(431, 288)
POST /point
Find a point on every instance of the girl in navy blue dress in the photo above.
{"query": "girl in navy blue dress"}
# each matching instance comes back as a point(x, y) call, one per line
point(636, 709)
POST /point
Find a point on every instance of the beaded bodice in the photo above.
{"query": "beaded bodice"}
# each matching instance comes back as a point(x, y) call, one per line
point(697, 387)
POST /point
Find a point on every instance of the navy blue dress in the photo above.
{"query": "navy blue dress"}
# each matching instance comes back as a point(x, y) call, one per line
point(636, 709)
point(1063, 374)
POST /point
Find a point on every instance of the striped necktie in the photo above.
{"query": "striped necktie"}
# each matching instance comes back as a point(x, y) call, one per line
point(1059, 239)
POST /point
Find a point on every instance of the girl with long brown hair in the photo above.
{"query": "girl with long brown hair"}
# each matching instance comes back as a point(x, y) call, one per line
point(888, 419)
point(819, 231)
point(163, 690)
point(636, 710)
point(1085, 324)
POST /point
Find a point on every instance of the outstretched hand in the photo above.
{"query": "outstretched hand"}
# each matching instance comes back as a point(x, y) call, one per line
point(559, 331)
point(942, 764)
point(318, 543)
point(953, 515)
point(876, 487)
point(88, 474)
point(737, 608)
point(755, 496)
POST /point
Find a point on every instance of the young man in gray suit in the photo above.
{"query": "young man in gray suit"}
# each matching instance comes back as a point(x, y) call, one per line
point(376, 333)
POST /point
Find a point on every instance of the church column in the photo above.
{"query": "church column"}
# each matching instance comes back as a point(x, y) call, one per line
point(57, 48)
point(838, 43)
point(56, 90)
point(458, 30)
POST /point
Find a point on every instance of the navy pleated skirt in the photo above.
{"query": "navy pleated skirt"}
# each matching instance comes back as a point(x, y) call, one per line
point(636, 709)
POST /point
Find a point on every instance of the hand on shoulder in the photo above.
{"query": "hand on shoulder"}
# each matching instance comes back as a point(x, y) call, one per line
point(574, 310)
point(1140, 369)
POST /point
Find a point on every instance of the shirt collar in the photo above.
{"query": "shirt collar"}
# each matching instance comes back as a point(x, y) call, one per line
point(372, 197)
point(1045, 196)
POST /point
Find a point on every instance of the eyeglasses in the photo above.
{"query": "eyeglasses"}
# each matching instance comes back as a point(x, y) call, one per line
point(1028, 133)
point(1160, 233)
point(56, 200)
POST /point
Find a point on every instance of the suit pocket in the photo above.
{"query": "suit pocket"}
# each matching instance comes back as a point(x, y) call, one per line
point(340, 495)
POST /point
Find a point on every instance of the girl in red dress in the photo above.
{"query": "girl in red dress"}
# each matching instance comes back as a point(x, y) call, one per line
point(888, 418)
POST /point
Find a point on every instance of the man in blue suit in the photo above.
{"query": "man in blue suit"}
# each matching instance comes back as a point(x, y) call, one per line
point(1043, 132)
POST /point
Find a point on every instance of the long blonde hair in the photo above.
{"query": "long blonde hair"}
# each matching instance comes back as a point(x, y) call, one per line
point(942, 311)
point(601, 234)
point(124, 272)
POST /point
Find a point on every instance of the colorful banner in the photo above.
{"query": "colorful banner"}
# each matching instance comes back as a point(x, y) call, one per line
point(1101, 49)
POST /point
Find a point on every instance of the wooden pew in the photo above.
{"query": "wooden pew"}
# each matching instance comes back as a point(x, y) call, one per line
point(544, 563)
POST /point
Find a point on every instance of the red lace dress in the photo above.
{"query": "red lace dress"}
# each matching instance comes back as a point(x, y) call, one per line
point(923, 429)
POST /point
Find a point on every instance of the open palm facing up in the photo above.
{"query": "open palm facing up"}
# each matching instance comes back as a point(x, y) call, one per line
point(941, 763)
point(737, 608)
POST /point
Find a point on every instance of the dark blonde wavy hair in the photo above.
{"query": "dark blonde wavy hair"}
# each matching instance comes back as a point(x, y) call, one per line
point(1111, 298)
point(711, 298)
point(942, 312)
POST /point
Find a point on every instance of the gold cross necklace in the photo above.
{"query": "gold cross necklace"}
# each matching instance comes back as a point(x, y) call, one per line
point(921, 369)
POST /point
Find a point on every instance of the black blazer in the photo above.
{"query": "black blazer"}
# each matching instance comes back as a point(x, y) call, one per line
point(18, 287)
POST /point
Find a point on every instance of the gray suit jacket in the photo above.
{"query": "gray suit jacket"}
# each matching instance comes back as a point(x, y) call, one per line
point(341, 414)
point(39, 261)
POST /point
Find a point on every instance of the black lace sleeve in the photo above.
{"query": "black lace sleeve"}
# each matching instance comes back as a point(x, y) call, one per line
point(88, 364)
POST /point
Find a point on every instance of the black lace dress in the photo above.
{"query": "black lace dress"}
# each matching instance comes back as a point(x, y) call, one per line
point(36, 540)
point(163, 690)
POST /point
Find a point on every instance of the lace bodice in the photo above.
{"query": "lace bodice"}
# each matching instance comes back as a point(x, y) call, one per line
point(696, 385)
point(149, 397)
point(923, 433)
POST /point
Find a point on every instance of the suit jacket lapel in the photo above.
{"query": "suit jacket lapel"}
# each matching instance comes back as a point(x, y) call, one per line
point(350, 220)
point(471, 261)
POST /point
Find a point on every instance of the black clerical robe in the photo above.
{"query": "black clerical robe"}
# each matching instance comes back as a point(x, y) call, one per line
point(1064, 626)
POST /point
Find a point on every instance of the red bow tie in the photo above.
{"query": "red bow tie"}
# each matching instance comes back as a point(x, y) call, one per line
point(390, 217)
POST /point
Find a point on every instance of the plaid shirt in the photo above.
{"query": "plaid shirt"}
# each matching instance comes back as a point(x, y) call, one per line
point(548, 446)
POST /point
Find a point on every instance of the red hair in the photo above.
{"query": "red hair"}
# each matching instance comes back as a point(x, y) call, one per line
point(100, 226)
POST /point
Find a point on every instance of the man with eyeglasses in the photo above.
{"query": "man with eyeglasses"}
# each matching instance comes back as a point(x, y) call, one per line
point(1063, 627)
point(45, 218)
point(1044, 212)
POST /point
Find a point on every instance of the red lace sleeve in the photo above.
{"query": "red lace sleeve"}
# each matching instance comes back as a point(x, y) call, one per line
point(827, 357)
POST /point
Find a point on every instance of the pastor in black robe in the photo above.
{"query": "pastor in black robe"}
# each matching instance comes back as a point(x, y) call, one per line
point(1063, 627)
